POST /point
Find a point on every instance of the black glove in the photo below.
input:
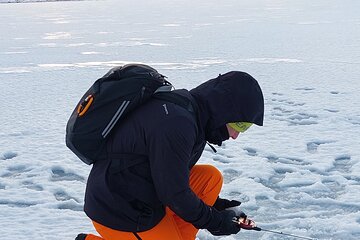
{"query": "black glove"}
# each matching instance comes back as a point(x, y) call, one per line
point(221, 204)
point(227, 225)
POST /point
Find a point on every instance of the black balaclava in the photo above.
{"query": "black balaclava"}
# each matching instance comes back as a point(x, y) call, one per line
point(217, 136)
point(232, 97)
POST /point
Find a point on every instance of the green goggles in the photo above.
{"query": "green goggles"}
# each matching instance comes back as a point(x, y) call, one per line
point(240, 126)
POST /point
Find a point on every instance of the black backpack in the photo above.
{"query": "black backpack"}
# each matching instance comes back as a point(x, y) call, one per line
point(106, 103)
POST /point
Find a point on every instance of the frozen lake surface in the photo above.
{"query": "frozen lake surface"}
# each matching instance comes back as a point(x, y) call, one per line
point(299, 173)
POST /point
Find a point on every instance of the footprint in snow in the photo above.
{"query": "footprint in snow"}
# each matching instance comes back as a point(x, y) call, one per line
point(287, 102)
point(18, 204)
point(305, 89)
point(221, 159)
point(8, 155)
point(230, 174)
point(302, 119)
point(59, 174)
point(70, 205)
point(272, 182)
point(264, 201)
point(287, 160)
point(331, 110)
point(283, 170)
point(61, 196)
point(223, 153)
point(342, 163)
point(279, 175)
point(355, 180)
point(15, 171)
point(251, 151)
point(312, 146)
point(335, 189)
point(239, 196)
point(282, 114)
point(280, 111)
point(272, 158)
point(32, 186)
point(354, 120)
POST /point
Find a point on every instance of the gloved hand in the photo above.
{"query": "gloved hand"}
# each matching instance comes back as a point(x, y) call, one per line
point(227, 226)
point(221, 204)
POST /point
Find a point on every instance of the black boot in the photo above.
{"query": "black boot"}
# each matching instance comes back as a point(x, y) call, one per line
point(81, 236)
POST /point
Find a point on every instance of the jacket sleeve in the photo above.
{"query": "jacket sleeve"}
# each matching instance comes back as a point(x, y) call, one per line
point(170, 149)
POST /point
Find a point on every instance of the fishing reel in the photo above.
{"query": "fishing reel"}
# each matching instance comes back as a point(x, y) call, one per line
point(244, 222)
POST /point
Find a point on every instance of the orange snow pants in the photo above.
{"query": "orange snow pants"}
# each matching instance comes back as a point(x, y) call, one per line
point(205, 181)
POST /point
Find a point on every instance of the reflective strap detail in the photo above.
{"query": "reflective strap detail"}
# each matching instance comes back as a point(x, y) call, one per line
point(165, 88)
point(115, 118)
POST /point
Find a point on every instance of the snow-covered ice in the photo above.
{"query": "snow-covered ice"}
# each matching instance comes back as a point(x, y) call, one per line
point(299, 173)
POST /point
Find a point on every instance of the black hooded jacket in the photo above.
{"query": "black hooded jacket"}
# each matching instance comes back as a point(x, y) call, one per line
point(153, 150)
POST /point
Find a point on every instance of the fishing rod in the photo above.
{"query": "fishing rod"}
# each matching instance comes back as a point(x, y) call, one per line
point(277, 232)
point(248, 224)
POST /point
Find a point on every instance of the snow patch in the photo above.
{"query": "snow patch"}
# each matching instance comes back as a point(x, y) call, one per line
point(57, 36)
point(274, 60)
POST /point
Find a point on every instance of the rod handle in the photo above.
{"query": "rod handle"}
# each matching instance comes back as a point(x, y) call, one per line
point(256, 229)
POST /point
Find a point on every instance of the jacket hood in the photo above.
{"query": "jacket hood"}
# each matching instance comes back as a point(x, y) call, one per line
point(231, 97)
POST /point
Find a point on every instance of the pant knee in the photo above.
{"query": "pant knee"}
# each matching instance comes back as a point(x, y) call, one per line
point(206, 182)
point(212, 173)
